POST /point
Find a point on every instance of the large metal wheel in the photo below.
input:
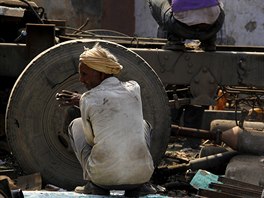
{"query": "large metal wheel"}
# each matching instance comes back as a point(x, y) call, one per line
point(36, 127)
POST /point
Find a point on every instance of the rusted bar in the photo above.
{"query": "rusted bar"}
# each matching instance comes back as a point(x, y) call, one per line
point(241, 184)
point(192, 132)
point(235, 190)
point(211, 161)
point(210, 193)
point(124, 40)
point(244, 90)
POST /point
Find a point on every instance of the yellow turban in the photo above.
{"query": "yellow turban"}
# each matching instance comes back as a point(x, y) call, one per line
point(100, 59)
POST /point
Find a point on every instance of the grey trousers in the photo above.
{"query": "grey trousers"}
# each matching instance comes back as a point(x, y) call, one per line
point(82, 149)
point(162, 13)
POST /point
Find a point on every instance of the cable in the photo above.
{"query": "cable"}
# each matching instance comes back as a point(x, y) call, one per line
point(34, 11)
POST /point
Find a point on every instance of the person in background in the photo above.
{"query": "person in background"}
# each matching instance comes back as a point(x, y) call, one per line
point(111, 139)
point(179, 20)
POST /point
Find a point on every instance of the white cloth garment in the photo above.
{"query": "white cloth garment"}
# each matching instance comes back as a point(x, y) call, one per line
point(114, 127)
point(193, 17)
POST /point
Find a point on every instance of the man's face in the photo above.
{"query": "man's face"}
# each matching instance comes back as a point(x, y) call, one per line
point(89, 77)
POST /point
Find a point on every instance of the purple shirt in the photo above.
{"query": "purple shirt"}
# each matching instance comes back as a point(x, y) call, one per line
point(184, 5)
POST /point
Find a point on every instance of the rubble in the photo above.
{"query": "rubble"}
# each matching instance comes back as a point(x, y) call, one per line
point(172, 178)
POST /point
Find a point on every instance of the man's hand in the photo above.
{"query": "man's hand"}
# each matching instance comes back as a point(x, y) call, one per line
point(68, 98)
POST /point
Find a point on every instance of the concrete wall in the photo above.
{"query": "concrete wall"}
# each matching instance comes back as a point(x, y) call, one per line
point(145, 25)
point(243, 24)
point(75, 12)
point(131, 17)
point(115, 15)
point(118, 15)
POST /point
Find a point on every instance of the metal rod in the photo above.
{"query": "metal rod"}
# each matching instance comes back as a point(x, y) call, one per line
point(241, 184)
point(208, 162)
point(235, 190)
point(192, 132)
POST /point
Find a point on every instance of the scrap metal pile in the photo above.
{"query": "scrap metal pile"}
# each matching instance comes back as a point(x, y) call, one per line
point(226, 87)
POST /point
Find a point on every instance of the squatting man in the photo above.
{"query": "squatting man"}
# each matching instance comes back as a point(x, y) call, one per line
point(111, 139)
point(188, 19)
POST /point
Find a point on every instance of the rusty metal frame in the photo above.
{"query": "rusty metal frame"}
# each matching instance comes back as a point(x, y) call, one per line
point(202, 71)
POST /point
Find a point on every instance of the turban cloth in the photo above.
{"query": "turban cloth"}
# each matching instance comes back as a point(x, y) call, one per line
point(100, 59)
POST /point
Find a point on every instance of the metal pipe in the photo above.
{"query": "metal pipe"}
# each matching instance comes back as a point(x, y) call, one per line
point(233, 182)
point(211, 161)
point(240, 191)
point(192, 132)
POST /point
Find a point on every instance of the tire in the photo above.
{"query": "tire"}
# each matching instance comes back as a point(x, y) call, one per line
point(36, 127)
